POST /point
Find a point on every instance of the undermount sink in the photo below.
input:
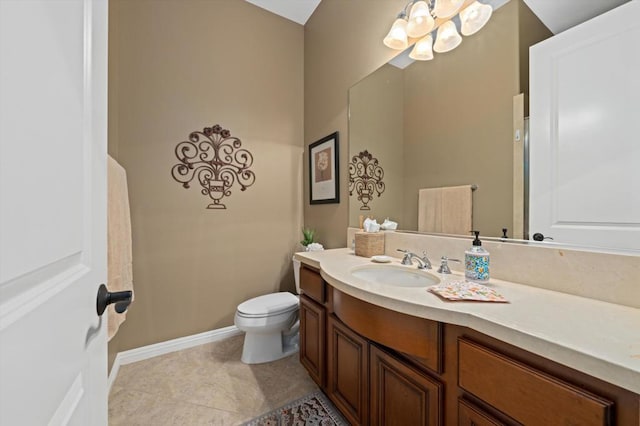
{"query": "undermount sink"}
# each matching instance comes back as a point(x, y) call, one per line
point(395, 276)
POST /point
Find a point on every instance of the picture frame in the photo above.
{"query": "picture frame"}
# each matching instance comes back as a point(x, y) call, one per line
point(324, 170)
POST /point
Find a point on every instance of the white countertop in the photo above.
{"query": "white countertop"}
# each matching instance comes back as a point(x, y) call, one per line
point(597, 338)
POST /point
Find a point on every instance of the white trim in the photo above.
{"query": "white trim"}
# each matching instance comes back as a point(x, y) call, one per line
point(115, 368)
point(150, 351)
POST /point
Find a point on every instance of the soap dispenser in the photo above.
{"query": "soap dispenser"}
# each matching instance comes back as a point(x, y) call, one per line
point(476, 262)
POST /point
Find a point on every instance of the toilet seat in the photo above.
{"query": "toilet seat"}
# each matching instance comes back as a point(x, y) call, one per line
point(268, 305)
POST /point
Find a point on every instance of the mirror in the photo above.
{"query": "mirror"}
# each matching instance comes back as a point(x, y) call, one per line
point(446, 122)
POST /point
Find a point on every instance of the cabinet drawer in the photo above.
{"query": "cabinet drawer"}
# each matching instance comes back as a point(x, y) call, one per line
point(312, 284)
point(470, 415)
point(418, 337)
point(525, 394)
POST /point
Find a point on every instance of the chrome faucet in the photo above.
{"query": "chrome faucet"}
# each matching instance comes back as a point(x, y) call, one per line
point(444, 265)
point(423, 262)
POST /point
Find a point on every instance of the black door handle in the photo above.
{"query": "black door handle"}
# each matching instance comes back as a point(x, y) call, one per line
point(122, 299)
point(539, 237)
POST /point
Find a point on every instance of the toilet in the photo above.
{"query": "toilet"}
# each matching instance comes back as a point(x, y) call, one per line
point(271, 324)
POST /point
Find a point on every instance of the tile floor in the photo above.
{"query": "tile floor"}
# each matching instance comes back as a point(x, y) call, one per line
point(204, 385)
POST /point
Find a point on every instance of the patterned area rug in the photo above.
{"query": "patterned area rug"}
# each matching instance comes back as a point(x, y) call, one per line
point(314, 409)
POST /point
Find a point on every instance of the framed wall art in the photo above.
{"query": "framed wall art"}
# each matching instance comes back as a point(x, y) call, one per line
point(323, 170)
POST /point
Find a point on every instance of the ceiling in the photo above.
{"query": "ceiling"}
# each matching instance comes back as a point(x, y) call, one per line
point(557, 15)
point(295, 10)
point(560, 15)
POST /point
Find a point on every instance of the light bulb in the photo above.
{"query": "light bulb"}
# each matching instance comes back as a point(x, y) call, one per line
point(422, 51)
point(446, 8)
point(420, 20)
point(397, 37)
point(448, 38)
point(474, 17)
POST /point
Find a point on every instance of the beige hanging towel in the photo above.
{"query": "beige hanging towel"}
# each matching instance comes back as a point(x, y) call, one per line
point(446, 210)
point(119, 249)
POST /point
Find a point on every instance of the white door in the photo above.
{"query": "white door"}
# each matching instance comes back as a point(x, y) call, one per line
point(53, 111)
point(584, 144)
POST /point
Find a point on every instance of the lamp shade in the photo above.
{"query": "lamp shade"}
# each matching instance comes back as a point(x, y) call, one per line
point(474, 17)
point(423, 51)
point(446, 8)
point(448, 38)
point(397, 37)
point(420, 20)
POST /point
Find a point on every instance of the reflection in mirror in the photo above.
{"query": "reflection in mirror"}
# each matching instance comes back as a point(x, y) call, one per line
point(448, 122)
point(365, 178)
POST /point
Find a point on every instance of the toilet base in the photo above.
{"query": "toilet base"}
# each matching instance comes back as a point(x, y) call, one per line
point(259, 348)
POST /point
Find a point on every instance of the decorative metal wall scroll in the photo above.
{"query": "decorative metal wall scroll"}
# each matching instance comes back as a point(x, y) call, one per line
point(213, 157)
point(365, 177)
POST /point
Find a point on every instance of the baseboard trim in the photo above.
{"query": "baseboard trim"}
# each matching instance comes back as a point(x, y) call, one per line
point(150, 351)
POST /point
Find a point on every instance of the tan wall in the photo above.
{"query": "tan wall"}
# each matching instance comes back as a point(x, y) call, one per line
point(343, 44)
point(531, 31)
point(376, 125)
point(180, 66)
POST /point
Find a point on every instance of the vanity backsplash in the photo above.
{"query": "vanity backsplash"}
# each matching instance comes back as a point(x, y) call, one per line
point(613, 278)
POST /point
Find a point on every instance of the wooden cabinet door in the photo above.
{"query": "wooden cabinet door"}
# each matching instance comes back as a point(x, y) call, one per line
point(401, 395)
point(348, 371)
point(312, 339)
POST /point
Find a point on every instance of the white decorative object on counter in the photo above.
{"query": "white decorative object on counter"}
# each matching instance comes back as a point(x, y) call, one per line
point(381, 259)
point(371, 225)
point(314, 247)
point(389, 225)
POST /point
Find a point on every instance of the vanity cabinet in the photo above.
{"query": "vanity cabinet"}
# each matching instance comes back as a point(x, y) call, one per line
point(383, 367)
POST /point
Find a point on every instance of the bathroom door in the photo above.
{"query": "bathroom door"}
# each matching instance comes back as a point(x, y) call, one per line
point(53, 117)
point(584, 150)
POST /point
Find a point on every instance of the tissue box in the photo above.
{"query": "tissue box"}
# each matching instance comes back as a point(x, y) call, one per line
point(369, 243)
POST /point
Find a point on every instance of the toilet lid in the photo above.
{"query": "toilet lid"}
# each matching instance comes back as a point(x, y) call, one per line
point(269, 304)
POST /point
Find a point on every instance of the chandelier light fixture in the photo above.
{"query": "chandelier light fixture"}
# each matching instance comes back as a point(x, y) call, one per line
point(425, 16)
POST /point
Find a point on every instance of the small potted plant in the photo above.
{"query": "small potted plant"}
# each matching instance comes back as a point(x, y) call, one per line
point(308, 240)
